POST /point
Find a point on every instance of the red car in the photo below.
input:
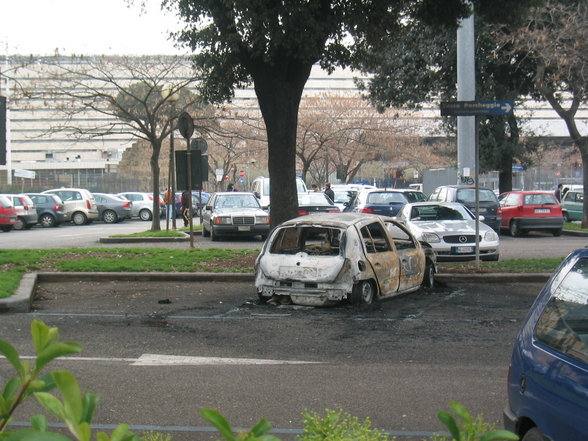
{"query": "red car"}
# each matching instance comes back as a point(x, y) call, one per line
point(530, 210)
point(7, 214)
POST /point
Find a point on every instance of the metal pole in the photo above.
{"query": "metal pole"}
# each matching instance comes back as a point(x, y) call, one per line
point(477, 188)
point(189, 160)
point(172, 164)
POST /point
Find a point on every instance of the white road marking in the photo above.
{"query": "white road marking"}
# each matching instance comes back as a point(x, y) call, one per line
point(184, 360)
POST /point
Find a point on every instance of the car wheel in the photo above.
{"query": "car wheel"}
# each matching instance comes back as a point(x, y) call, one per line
point(514, 229)
point(79, 218)
point(47, 221)
point(262, 300)
point(213, 236)
point(109, 217)
point(429, 279)
point(263, 237)
point(145, 215)
point(7, 228)
point(205, 232)
point(20, 224)
point(533, 435)
point(566, 216)
point(556, 233)
point(362, 293)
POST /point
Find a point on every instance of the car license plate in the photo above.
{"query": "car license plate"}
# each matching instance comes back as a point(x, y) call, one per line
point(542, 210)
point(483, 210)
point(463, 250)
point(244, 228)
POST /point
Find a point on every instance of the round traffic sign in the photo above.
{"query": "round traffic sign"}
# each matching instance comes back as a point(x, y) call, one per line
point(186, 125)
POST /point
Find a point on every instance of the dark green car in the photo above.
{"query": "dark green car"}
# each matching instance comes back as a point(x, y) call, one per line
point(572, 205)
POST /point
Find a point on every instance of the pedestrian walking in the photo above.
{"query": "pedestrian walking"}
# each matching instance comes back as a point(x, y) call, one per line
point(186, 198)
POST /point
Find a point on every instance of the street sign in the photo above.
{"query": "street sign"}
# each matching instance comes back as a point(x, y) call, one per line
point(199, 144)
point(186, 125)
point(28, 174)
point(241, 173)
point(473, 108)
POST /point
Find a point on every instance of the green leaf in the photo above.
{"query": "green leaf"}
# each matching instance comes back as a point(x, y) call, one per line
point(34, 435)
point(83, 432)
point(51, 404)
point(89, 403)
point(40, 334)
point(11, 355)
point(120, 433)
point(499, 435)
point(461, 411)
point(449, 422)
point(218, 421)
point(72, 397)
point(261, 427)
point(39, 422)
point(55, 350)
point(101, 436)
point(11, 388)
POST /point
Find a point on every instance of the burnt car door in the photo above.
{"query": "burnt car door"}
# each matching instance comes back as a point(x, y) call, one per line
point(381, 255)
point(410, 255)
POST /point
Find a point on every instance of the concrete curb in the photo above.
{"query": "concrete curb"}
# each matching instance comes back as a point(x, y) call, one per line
point(22, 299)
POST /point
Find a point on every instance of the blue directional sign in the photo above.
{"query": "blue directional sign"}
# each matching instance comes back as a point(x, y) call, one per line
point(473, 108)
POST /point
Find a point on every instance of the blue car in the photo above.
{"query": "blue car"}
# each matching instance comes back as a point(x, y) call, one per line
point(548, 377)
point(384, 202)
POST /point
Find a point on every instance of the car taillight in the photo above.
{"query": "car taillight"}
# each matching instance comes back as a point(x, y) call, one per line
point(58, 207)
point(302, 212)
point(150, 197)
point(88, 204)
point(333, 211)
point(367, 210)
point(127, 204)
point(499, 211)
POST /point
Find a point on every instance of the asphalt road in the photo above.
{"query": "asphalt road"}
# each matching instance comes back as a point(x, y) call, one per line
point(535, 244)
point(398, 362)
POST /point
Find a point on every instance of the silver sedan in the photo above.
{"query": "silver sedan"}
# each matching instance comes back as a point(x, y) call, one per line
point(450, 228)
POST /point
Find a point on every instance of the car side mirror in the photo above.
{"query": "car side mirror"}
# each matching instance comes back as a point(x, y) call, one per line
point(256, 193)
point(481, 218)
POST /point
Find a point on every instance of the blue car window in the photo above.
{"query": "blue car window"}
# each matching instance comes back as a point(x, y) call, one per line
point(563, 325)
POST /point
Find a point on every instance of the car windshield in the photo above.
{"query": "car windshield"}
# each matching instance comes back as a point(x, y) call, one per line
point(468, 195)
point(415, 196)
point(313, 198)
point(540, 199)
point(384, 198)
point(236, 201)
point(564, 322)
point(5, 202)
point(342, 196)
point(437, 212)
point(316, 241)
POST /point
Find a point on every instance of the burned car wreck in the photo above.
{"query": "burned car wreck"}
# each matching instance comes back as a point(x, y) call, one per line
point(323, 259)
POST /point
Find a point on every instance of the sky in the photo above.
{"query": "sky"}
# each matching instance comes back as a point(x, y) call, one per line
point(89, 27)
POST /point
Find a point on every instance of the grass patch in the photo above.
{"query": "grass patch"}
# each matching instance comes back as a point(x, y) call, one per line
point(539, 265)
point(14, 263)
point(9, 281)
point(148, 233)
point(574, 226)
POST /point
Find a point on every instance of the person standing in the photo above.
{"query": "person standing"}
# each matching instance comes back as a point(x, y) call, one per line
point(329, 192)
point(186, 196)
point(168, 200)
point(558, 192)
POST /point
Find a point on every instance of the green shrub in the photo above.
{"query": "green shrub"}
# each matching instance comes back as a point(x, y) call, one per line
point(338, 426)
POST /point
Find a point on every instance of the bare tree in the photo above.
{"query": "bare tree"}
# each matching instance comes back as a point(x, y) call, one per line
point(555, 38)
point(138, 96)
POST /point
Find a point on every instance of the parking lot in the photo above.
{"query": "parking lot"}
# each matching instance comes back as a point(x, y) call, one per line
point(178, 347)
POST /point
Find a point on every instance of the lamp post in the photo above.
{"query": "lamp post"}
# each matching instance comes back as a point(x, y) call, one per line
point(172, 97)
point(186, 127)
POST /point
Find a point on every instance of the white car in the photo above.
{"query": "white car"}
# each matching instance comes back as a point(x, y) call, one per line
point(322, 259)
point(142, 206)
point(449, 227)
point(234, 214)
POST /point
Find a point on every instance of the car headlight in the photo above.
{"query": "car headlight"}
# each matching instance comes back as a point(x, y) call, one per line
point(262, 219)
point(223, 220)
point(431, 238)
point(491, 236)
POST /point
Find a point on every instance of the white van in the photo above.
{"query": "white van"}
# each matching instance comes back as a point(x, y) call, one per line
point(261, 189)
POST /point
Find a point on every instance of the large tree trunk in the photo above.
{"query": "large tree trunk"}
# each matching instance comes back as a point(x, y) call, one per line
point(278, 92)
